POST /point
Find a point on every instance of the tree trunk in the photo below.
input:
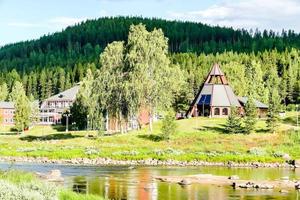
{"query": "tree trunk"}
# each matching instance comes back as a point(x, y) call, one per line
point(150, 123)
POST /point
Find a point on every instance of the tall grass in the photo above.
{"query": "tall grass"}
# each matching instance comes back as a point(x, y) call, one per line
point(19, 185)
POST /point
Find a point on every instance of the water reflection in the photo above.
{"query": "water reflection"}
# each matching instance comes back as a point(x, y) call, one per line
point(139, 184)
point(124, 183)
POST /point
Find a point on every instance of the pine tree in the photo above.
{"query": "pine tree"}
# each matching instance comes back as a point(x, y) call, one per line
point(234, 122)
point(251, 115)
point(43, 85)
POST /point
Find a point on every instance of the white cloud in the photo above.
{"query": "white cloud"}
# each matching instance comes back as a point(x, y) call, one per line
point(25, 25)
point(103, 13)
point(262, 14)
point(66, 21)
point(58, 22)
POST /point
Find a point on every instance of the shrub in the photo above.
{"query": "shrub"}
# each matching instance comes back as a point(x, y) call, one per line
point(295, 137)
point(169, 125)
point(27, 191)
point(91, 151)
point(234, 122)
point(257, 151)
point(291, 107)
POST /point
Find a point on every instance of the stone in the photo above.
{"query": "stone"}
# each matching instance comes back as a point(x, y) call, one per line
point(283, 191)
point(286, 157)
point(53, 175)
point(297, 163)
point(131, 167)
point(234, 177)
point(184, 182)
point(265, 186)
point(285, 178)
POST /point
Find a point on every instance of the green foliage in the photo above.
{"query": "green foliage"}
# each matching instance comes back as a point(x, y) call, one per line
point(154, 80)
point(251, 115)
point(69, 195)
point(273, 111)
point(3, 92)
point(169, 125)
point(19, 185)
point(22, 107)
point(85, 41)
point(234, 122)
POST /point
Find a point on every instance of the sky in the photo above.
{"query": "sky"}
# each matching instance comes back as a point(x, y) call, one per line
point(29, 19)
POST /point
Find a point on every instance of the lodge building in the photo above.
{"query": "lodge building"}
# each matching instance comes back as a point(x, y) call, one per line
point(215, 98)
point(52, 109)
point(7, 111)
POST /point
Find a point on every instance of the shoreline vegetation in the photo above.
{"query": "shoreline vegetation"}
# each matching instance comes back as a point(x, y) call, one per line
point(15, 184)
point(196, 142)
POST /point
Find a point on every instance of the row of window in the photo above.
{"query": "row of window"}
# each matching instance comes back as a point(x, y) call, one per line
point(59, 104)
point(49, 119)
point(9, 111)
point(9, 120)
point(218, 110)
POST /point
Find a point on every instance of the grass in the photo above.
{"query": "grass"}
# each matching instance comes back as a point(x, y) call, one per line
point(25, 183)
point(195, 139)
point(69, 195)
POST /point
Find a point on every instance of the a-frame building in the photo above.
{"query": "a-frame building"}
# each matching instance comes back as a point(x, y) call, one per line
point(215, 97)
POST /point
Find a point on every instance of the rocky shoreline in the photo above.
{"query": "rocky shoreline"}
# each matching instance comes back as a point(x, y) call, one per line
point(146, 162)
point(234, 181)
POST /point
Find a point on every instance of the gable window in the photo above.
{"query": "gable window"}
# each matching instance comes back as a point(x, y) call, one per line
point(225, 111)
point(217, 111)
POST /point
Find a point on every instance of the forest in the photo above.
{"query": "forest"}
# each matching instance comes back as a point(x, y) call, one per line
point(253, 61)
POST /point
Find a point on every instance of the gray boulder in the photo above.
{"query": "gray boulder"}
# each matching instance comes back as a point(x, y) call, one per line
point(184, 182)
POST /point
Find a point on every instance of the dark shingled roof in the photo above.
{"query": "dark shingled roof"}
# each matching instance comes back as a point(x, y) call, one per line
point(258, 104)
point(69, 94)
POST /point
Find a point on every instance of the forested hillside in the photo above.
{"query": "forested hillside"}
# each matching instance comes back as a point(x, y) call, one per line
point(257, 62)
point(84, 42)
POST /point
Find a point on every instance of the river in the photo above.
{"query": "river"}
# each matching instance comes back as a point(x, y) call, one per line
point(119, 182)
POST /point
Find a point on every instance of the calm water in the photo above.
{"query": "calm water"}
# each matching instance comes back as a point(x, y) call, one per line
point(125, 183)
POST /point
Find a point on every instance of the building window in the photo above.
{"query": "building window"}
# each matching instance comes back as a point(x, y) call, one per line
point(225, 111)
point(217, 111)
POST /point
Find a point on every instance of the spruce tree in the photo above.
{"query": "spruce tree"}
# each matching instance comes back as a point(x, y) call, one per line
point(234, 122)
point(168, 125)
point(251, 115)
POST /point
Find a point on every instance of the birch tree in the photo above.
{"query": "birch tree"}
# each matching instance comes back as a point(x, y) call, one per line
point(22, 107)
point(149, 68)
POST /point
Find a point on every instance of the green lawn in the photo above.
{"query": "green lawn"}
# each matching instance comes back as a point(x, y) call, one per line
point(195, 139)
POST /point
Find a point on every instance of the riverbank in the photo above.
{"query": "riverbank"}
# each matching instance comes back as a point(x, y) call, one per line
point(147, 162)
point(197, 141)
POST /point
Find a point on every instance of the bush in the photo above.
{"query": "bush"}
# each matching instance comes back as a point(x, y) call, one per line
point(294, 137)
point(169, 125)
point(234, 122)
point(291, 107)
point(257, 151)
point(27, 191)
